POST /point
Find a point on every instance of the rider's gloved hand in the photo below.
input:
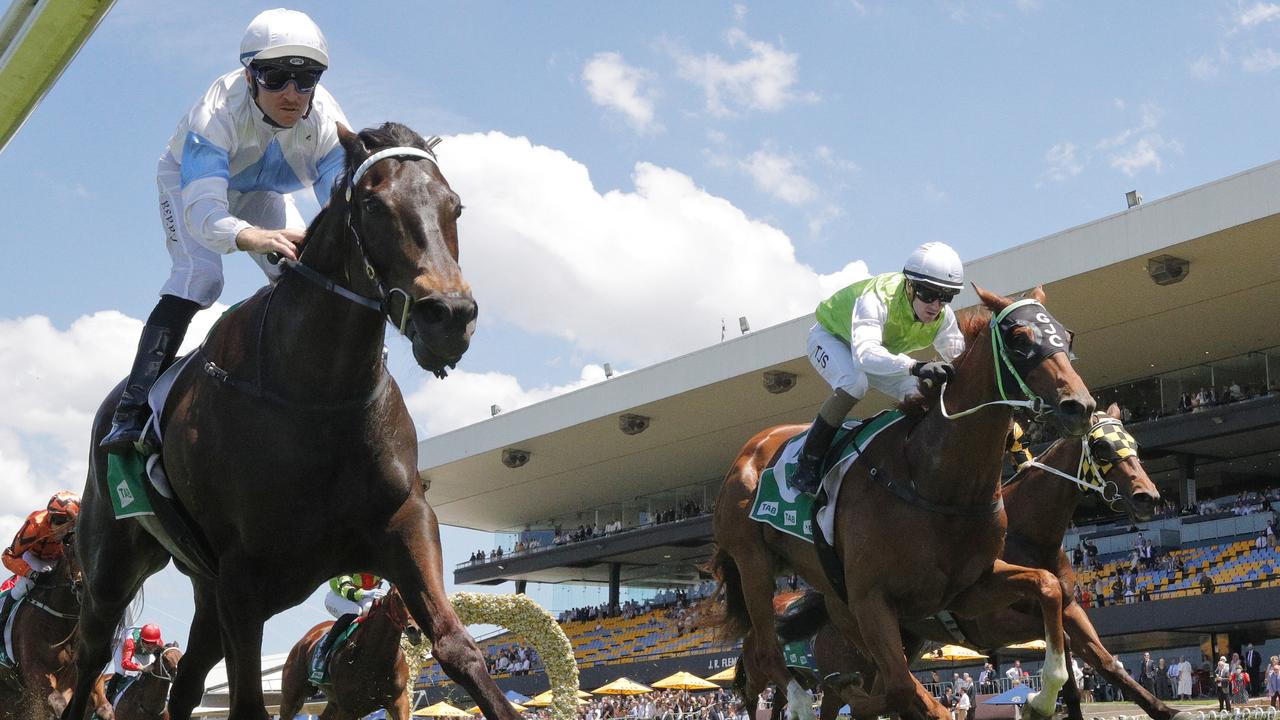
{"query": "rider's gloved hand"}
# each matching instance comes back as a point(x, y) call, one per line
point(935, 371)
point(283, 242)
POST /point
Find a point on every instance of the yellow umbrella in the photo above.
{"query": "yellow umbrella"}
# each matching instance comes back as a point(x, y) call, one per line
point(544, 699)
point(442, 709)
point(725, 675)
point(685, 681)
point(952, 653)
point(515, 705)
point(623, 686)
point(1029, 645)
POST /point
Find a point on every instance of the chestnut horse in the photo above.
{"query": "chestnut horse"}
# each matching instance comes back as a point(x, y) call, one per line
point(145, 698)
point(367, 673)
point(1040, 502)
point(919, 523)
point(44, 629)
point(289, 443)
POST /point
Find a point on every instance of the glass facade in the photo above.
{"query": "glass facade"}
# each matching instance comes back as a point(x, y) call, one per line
point(1228, 380)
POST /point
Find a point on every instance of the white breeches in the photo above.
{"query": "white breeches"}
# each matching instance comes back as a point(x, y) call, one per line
point(834, 361)
point(197, 270)
point(339, 606)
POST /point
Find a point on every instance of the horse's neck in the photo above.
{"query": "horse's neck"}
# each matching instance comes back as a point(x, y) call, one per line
point(1041, 505)
point(959, 460)
point(322, 346)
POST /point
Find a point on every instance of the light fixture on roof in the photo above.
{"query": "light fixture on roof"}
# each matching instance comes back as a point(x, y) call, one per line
point(778, 381)
point(494, 410)
point(632, 424)
point(743, 325)
point(515, 457)
point(608, 371)
point(1168, 269)
point(1134, 198)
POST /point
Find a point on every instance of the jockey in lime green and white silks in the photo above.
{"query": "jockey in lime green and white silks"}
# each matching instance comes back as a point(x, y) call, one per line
point(864, 334)
point(865, 331)
point(353, 594)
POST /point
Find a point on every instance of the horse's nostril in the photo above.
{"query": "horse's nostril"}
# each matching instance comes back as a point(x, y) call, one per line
point(435, 311)
point(1071, 408)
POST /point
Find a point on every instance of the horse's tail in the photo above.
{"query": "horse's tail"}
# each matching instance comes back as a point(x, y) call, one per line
point(803, 618)
point(726, 609)
point(131, 614)
point(740, 677)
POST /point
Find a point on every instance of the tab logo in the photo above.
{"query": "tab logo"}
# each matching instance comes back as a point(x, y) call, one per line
point(769, 508)
point(125, 495)
point(789, 517)
point(808, 527)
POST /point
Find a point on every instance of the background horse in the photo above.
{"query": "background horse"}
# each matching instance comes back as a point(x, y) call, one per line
point(922, 485)
point(289, 427)
point(367, 673)
point(145, 698)
point(1040, 504)
point(44, 630)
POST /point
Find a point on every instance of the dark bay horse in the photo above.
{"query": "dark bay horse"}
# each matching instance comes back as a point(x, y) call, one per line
point(919, 525)
point(367, 673)
point(44, 640)
point(146, 697)
point(1040, 503)
point(290, 445)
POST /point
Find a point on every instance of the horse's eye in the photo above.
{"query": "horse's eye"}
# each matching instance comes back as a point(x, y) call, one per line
point(371, 205)
point(458, 213)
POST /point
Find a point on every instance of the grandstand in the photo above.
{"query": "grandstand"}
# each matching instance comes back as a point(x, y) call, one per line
point(1140, 342)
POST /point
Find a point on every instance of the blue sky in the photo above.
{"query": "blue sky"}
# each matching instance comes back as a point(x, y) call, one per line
point(633, 173)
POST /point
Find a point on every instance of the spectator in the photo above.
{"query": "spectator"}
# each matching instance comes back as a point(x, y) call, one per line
point(1206, 584)
point(1222, 682)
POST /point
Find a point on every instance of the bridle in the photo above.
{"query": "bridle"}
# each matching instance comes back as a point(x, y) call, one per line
point(384, 301)
point(76, 586)
point(1048, 334)
point(164, 676)
point(1091, 472)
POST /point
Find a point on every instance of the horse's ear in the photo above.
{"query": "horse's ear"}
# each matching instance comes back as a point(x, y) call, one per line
point(352, 145)
point(994, 302)
point(1114, 411)
point(1037, 294)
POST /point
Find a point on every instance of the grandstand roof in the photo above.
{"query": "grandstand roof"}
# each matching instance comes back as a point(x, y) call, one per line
point(704, 405)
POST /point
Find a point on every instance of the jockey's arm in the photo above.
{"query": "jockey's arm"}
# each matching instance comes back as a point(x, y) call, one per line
point(26, 538)
point(345, 586)
point(126, 656)
point(950, 339)
point(867, 339)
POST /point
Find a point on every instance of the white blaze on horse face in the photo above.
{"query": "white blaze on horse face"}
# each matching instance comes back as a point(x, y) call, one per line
point(799, 702)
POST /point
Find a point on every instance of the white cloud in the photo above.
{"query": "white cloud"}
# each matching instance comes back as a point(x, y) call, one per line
point(439, 406)
point(614, 84)
point(1144, 154)
point(828, 157)
point(1207, 67)
point(778, 176)
point(1063, 162)
point(763, 81)
point(1257, 14)
point(1260, 60)
point(634, 275)
point(53, 380)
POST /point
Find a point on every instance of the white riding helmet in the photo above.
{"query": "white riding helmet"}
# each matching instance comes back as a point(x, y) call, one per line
point(935, 264)
point(283, 33)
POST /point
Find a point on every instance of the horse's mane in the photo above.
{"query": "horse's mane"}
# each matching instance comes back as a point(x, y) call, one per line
point(972, 322)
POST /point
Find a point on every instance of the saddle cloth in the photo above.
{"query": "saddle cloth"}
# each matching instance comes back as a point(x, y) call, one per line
point(779, 505)
point(333, 648)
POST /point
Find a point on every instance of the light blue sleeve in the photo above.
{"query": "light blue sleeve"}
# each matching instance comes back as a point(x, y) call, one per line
point(201, 158)
point(328, 168)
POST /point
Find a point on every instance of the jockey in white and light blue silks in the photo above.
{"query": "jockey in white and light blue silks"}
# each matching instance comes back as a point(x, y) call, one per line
point(258, 133)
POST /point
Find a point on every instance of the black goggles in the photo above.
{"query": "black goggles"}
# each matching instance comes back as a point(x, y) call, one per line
point(274, 78)
point(926, 294)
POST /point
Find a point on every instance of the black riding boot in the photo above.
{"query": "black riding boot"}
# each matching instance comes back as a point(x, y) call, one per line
point(158, 346)
point(326, 646)
point(816, 444)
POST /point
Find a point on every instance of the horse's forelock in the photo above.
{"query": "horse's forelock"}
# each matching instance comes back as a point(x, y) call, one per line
point(386, 135)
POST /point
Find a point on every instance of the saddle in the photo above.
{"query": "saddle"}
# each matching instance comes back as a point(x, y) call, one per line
point(139, 488)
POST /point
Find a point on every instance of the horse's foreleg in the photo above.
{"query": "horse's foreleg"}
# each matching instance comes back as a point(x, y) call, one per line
point(412, 559)
point(400, 709)
point(240, 620)
point(204, 650)
point(871, 620)
point(1085, 643)
point(1005, 585)
point(1071, 691)
point(756, 585)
